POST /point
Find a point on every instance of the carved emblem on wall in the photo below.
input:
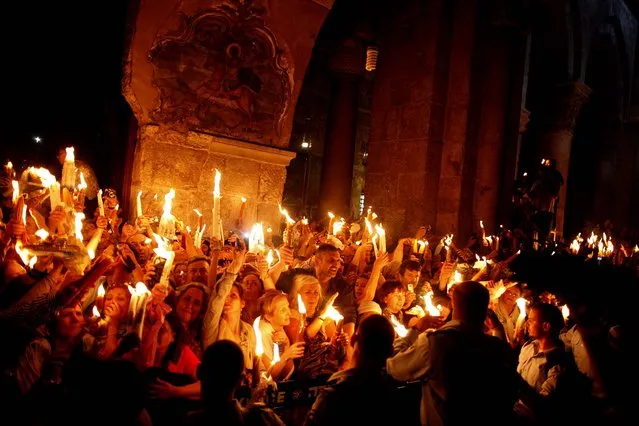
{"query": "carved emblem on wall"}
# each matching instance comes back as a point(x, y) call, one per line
point(223, 72)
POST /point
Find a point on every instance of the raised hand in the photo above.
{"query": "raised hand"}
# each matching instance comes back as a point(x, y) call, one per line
point(238, 261)
point(294, 351)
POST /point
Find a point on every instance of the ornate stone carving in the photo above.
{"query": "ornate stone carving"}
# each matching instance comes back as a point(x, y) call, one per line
point(223, 72)
point(570, 99)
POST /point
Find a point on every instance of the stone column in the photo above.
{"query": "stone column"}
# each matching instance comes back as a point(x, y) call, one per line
point(493, 138)
point(556, 143)
point(339, 148)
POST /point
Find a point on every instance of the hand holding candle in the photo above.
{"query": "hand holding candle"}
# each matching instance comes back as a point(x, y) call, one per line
point(521, 304)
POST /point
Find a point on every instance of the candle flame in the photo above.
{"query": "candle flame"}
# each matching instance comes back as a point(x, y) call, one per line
point(256, 238)
point(101, 291)
point(42, 234)
point(399, 328)
point(374, 216)
point(16, 191)
point(83, 183)
point(96, 313)
point(79, 217)
point(300, 304)
point(331, 215)
point(9, 165)
point(141, 289)
point(334, 314)
point(565, 312)
point(244, 199)
point(33, 261)
point(197, 212)
point(430, 308)
point(304, 221)
point(259, 345)
point(45, 176)
point(91, 253)
point(338, 226)
point(276, 354)
point(168, 203)
point(25, 254)
point(70, 154)
point(216, 187)
point(481, 224)
point(521, 304)
point(288, 219)
point(636, 249)
point(269, 258)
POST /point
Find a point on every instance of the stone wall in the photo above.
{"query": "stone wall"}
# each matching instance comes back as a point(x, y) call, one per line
point(214, 84)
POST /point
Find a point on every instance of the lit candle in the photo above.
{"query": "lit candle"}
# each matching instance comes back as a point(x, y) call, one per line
point(81, 190)
point(432, 310)
point(100, 203)
point(78, 218)
point(217, 232)
point(289, 223)
point(330, 222)
point(338, 226)
point(164, 251)
point(565, 312)
point(521, 304)
point(166, 228)
point(256, 239)
point(240, 219)
point(99, 300)
point(483, 232)
point(68, 169)
point(302, 310)
point(9, 170)
point(16, 191)
point(382, 238)
point(139, 203)
point(400, 330)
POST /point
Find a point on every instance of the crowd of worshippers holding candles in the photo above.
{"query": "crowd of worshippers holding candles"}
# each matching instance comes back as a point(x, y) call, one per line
point(157, 321)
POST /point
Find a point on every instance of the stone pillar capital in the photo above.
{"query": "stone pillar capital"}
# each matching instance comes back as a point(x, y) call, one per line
point(569, 100)
point(348, 59)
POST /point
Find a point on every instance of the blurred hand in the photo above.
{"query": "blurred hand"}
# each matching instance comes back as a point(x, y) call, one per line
point(238, 261)
point(56, 217)
point(159, 293)
point(101, 222)
point(142, 222)
point(56, 277)
point(16, 229)
point(426, 322)
point(286, 255)
point(382, 260)
point(294, 351)
point(341, 339)
point(163, 390)
point(262, 266)
point(409, 298)
point(149, 272)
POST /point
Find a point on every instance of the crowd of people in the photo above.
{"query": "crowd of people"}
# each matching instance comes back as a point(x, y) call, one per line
point(426, 333)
